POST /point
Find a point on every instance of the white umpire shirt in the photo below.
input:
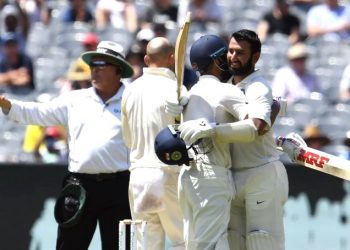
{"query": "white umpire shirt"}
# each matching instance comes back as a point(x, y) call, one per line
point(94, 128)
point(218, 103)
point(263, 149)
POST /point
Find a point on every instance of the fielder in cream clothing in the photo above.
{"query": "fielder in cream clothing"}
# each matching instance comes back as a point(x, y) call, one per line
point(153, 185)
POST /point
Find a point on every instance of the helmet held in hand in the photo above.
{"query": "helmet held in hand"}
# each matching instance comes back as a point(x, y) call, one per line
point(170, 148)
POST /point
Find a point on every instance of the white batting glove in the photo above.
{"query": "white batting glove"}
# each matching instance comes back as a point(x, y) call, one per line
point(193, 130)
point(290, 144)
point(175, 108)
point(296, 138)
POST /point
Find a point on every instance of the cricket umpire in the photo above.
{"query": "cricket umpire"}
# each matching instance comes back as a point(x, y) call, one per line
point(98, 158)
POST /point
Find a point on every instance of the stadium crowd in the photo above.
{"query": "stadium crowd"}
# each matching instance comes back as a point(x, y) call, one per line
point(305, 56)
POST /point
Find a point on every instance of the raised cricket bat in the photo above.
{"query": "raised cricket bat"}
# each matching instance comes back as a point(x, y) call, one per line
point(321, 161)
point(180, 54)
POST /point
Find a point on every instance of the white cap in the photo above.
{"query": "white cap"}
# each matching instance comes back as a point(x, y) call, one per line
point(145, 34)
point(296, 51)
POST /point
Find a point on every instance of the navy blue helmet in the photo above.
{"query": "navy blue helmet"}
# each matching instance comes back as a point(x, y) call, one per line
point(205, 50)
point(170, 148)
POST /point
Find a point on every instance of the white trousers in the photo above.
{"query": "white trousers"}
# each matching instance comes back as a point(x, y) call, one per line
point(258, 204)
point(205, 194)
point(167, 221)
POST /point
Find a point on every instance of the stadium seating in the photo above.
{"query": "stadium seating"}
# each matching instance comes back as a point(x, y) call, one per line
point(54, 46)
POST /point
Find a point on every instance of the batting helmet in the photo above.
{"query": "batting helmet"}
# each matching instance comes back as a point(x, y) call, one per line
point(205, 50)
point(170, 148)
point(69, 205)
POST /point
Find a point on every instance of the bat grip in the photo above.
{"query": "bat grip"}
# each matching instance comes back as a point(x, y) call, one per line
point(178, 92)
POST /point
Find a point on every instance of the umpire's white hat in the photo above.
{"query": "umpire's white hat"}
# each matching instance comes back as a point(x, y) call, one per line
point(114, 52)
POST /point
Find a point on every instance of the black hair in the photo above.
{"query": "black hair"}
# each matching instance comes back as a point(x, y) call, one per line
point(249, 36)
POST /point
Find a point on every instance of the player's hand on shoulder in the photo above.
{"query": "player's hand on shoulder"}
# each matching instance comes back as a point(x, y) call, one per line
point(175, 107)
point(193, 130)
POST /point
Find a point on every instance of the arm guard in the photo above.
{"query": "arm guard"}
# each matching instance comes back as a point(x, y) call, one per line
point(241, 131)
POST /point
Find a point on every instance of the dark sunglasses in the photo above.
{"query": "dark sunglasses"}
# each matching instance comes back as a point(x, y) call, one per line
point(100, 64)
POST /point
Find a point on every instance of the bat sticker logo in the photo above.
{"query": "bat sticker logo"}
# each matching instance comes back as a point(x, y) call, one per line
point(312, 158)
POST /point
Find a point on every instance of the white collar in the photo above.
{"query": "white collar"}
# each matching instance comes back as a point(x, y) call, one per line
point(159, 71)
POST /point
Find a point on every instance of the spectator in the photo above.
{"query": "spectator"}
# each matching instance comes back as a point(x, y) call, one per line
point(46, 16)
point(89, 41)
point(2, 3)
point(46, 144)
point(32, 142)
point(160, 11)
point(314, 137)
point(346, 154)
point(16, 67)
point(160, 29)
point(203, 12)
point(36, 10)
point(14, 20)
point(304, 5)
point(143, 36)
point(77, 11)
point(344, 86)
point(117, 13)
point(78, 75)
point(279, 20)
point(329, 20)
point(136, 59)
point(294, 81)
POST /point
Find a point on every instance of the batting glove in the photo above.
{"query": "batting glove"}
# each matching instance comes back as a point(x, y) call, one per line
point(290, 144)
point(175, 108)
point(297, 139)
point(193, 130)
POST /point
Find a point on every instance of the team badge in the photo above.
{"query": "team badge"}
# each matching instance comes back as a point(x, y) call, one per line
point(175, 156)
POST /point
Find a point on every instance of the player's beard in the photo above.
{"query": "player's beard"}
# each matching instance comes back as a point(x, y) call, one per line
point(245, 69)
